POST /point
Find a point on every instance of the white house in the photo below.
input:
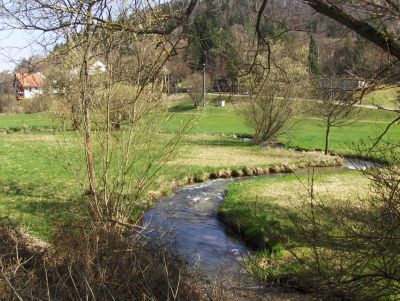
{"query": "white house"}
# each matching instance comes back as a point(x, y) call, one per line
point(28, 85)
point(97, 67)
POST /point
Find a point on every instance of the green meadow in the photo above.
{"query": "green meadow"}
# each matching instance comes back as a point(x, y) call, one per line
point(38, 189)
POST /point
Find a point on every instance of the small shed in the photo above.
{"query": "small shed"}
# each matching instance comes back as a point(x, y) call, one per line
point(220, 103)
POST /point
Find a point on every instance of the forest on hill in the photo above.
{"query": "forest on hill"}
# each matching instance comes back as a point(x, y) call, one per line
point(221, 38)
point(223, 31)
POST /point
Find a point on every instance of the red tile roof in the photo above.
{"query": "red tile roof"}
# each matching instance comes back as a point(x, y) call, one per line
point(28, 80)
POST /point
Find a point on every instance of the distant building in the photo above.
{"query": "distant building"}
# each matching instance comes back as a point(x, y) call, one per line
point(28, 85)
point(96, 68)
point(343, 84)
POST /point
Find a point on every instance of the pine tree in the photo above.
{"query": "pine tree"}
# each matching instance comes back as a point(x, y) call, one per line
point(313, 57)
point(206, 36)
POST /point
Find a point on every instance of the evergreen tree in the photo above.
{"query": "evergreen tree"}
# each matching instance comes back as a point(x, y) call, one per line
point(313, 57)
point(206, 36)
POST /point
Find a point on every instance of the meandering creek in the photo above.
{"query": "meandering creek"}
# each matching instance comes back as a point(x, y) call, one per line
point(188, 220)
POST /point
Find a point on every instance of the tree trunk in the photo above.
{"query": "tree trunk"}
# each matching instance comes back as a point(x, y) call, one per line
point(328, 128)
point(363, 28)
point(87, 125)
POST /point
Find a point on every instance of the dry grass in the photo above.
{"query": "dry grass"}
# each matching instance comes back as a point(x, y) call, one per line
point(221, 152)
point(293, 192)
point(89, 265)
point(29, 137)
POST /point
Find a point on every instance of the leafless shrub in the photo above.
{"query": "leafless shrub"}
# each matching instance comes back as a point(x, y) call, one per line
point(268, 114)
point(37, 104)
point(95, 265)
point(194, 86)
point(101, 259)
point(344, 249)
point(274, 96)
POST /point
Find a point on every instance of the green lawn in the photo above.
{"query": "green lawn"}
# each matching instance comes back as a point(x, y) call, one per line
point(38, 190)
point(307, 242)
point(19, 122)
point(308, 132)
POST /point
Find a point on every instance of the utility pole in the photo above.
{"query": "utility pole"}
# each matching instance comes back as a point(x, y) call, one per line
point(9, 89)
point(204, 86)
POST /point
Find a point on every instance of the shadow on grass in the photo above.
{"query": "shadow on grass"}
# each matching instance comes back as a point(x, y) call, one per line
point(222, 142)
point(40, 207)
point(261, 226)
point(182, 107)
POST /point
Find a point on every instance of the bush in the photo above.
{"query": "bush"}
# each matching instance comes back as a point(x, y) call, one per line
point(36, 105)
point(268, 115)
point(89, 265)
point(350, 248)
point(5, 100)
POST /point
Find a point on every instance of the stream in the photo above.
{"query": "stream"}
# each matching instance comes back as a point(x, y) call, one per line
point(188, 221)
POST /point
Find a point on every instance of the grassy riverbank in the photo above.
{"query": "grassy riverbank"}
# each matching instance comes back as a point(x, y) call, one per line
point(38, 190)
point(256, 208)
point(326, 231)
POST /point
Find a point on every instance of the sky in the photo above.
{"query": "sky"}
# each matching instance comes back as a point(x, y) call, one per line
point(16, 45)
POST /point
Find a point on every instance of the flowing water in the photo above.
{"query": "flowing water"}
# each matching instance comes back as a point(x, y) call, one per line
point(188, 221)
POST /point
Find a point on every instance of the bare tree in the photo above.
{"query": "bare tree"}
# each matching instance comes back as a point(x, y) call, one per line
point(336, 104)
point(133, 40)
point(269, 111)
point(274, 95)
point(194, 86)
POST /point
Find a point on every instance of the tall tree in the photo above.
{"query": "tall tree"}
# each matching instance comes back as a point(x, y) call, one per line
point(313, 56)
point(206, 36)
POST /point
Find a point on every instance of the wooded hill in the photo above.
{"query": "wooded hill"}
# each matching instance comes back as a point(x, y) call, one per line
point(218, 28)
point(213, 40)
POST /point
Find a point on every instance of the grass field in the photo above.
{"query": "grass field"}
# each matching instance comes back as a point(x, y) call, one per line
point(20, 122)
point(38, 191)
point(308, 132)
point(387, 97)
